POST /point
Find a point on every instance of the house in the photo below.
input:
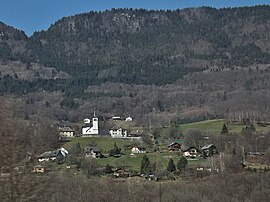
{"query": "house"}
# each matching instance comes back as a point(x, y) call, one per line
point(135, 133)
point(52, 155)
point(189, 151)
point(66, 132)
point(39, 169)
point(121, 173)
point(138, 150)
point(93, 152)
point(175, 146)
point(90, 129)
point(118, 132)
point(116, 118)
point(129, 119)
point(209, 150)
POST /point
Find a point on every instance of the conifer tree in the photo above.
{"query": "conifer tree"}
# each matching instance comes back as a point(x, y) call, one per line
point(224, 130)
point(182, 163)
point(145, 165)
point(171, 166)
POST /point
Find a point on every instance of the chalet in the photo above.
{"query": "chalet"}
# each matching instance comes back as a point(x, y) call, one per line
point(175, 146)
point(39, 169)
point(52, 155)
point(93, 152)
point(189, 151)
point(209, 150)
point(66, 132)
point(138, 150)
point(118, 132)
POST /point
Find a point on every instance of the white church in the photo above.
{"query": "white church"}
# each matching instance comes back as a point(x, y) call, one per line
point(90, 129)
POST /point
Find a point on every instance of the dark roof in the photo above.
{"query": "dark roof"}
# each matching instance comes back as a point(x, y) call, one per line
point(136, 132)
point(66, 129)
point(207, 146)
point(94, 149)
point(50, 154)
point(173, 144)
point(40, 166)
point(186, 147)
point(117, 127)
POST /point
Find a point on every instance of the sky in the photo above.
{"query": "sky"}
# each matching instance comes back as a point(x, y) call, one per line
point(36, 15)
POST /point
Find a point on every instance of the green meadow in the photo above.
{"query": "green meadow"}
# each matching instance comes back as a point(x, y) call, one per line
point(215, 126)
point(125, 161)
point(105, 143)
point(133, 163)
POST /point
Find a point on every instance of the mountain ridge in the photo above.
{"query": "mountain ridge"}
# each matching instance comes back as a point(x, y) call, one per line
point(139, 46)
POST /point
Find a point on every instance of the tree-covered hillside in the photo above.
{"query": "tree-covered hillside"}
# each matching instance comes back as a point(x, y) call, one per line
point(153, 47)
point(12, 43)
point(121, 62)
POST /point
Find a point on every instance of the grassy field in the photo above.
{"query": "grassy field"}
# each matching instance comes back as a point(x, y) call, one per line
point(134, 163)
point(162, 159)
point(215, 126)
point(131, 163)
point(105, 143)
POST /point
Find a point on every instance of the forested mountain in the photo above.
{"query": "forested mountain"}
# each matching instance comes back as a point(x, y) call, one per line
point(82, 62)
point(145, 47)
point(153, 47)
point(12, 43)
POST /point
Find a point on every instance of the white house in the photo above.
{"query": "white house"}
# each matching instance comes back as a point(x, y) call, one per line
point(138, 150)
point(90, 129)
point(52, 155)
point(116, 118)
point(118, 132)
point(189, 151)
point(66, 132)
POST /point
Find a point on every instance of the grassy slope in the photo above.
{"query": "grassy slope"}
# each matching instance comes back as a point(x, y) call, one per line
point(105, 143)
point(132, 163)
point(215, 126)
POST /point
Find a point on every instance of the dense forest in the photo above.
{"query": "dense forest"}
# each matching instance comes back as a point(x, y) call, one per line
point(145, 46)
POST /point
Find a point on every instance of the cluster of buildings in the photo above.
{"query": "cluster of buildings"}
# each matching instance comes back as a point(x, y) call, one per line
point(90, 128)
point(193, 152)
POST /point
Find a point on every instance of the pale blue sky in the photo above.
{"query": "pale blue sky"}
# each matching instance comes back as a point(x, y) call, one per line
point(36, 15)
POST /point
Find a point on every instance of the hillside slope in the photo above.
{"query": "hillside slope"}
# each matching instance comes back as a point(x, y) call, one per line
point(154, 47)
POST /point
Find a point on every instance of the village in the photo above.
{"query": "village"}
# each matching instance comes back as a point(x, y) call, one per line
point(132, 153)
